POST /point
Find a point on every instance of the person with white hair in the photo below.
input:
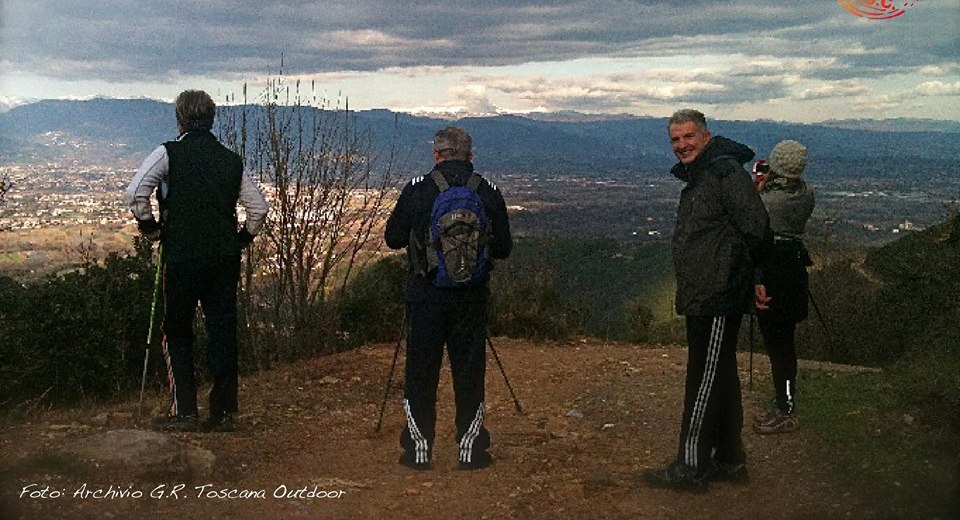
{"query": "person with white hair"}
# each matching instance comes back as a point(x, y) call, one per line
point(789, 202)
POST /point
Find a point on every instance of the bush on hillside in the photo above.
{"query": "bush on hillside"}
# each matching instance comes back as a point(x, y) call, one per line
point(372, 308)
point(79, 335)
point(639, 320)
point(879, 308)
point(580, 286)
point(928, 379)
point(845, 329)
point(529, 304)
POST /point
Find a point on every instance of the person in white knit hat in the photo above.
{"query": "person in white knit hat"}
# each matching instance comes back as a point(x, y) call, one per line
point(789, 202)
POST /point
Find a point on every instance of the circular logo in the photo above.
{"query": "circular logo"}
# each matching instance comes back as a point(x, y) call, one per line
point(877, 9)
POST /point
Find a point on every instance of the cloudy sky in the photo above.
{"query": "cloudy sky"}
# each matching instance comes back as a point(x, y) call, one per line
point(807, 60)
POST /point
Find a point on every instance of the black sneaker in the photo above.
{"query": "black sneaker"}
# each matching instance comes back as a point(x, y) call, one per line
point(677, 476)
point(477, 461)
point(411, 463)
point(177, 423)
point(733, 472)
point(223, 423)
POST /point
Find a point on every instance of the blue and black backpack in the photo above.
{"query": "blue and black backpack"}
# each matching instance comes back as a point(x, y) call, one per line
point(457, 236)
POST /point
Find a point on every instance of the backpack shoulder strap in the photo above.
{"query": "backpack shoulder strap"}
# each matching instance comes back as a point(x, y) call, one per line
point(473, 182)
point(439, 180)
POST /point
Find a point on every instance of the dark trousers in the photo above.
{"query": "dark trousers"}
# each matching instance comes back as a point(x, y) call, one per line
point(213, 284)
point(712, 409)
point(461, 326)
point(778, 339)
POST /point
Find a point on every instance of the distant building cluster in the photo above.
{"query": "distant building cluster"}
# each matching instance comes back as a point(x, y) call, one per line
point(51, 195)
point(629, 204)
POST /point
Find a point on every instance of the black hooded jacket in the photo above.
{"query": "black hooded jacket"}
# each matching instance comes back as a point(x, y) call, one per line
point(722, 232)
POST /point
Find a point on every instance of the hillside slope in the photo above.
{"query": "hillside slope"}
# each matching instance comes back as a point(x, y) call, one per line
point(595, 414)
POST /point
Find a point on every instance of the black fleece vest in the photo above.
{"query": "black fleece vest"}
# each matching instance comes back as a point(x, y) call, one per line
point(199, 212)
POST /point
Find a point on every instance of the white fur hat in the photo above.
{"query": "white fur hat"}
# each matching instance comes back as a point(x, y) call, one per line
point(788, 159)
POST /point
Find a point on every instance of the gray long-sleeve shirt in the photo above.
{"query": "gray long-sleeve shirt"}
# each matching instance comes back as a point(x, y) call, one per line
point(789, 205)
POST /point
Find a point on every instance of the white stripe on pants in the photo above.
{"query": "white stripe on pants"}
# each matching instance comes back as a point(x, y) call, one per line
point(703, 394)
point(466, 442)
point(422, 450)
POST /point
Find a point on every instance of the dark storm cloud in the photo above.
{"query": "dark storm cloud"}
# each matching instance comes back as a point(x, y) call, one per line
point(774, 43)
point(125, 39)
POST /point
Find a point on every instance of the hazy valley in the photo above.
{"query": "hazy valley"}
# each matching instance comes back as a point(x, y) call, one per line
point(569, 175)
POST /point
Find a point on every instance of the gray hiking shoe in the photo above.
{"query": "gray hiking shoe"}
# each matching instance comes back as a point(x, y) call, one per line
point(777, 422)
point(766, 416)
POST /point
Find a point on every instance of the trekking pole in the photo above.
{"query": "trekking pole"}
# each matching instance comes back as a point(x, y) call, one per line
point(816, 309)
point(751, 352)
point(516, 403)
point(393, 366)
point(153, 313)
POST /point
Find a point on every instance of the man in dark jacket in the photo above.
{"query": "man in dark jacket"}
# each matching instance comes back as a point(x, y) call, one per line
point(722, 231)
point(200, 183)
point(439, 315)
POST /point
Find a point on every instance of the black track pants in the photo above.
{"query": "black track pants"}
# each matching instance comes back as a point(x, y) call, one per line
point(778, 339)
point(212, 284)
point(713, 410)
point(461, 327)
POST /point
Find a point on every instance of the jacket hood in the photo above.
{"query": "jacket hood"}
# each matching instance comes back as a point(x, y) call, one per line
point(455, 171)
point(717, 147)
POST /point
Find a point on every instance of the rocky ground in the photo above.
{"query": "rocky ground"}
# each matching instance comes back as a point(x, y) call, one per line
point(594, 416)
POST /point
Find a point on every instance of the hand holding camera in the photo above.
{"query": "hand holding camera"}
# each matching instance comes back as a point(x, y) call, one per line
point(761, 174)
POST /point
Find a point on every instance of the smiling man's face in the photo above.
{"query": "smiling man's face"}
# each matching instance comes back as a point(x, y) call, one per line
point(688, 141)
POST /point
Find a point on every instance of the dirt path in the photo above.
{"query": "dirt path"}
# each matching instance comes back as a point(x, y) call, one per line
point(595, 415)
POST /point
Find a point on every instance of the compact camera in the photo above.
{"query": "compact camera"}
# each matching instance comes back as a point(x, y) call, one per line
point(760, 170)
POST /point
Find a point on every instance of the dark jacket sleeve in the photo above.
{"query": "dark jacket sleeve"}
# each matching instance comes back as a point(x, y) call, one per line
point(501, 243)
point(397, 232)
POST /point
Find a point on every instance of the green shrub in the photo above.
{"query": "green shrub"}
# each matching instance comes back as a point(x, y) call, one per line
point(578, 286)
point(372, 308)
point(528, 304)
point(851, 316)
point(928, 380)
point(669, 331)
point(79, 335)
point(876, 444)
point(639, 320)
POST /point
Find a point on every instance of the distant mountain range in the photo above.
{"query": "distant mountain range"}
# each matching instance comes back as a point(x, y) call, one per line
point(123, 131)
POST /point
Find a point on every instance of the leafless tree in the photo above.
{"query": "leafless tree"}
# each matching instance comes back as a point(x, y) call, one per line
point(5, 185)
point(327, 188)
